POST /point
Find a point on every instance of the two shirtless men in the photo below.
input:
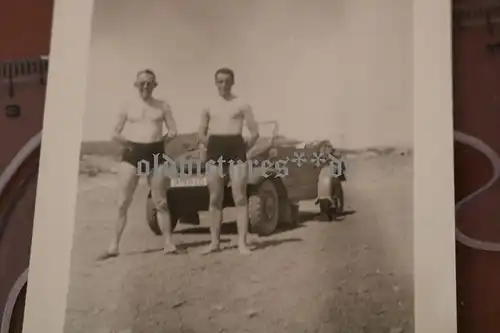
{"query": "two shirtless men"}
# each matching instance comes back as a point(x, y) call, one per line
point(220, 132)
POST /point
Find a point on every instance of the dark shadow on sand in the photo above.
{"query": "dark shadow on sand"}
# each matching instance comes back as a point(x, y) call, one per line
point(305, 216)
point(323, 218)
point(185, 247)
point(343, 215)
point(264, 244)
point(181, 246)
point(230, 228)
point(274, 242)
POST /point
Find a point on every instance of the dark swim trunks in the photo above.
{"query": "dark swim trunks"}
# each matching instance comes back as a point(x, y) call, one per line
point(135, 152)
point(228, 147)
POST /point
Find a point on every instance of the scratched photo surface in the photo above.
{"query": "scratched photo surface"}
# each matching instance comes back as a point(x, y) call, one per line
point(328, 202)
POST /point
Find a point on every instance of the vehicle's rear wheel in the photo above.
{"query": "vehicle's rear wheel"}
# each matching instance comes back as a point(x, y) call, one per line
point(338, 198)
point(289, 212)
point(152, 217)
point(263, 209)
point(325, 208)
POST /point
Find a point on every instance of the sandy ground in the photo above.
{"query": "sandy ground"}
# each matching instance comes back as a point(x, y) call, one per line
point(350, 276)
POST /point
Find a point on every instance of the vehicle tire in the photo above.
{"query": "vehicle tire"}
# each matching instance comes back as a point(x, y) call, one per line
point(338, 199)
point(152, 217)
point(325, 208)
point(263, 209)
point(289, 213)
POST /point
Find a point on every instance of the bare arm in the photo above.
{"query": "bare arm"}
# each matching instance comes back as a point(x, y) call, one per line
point(119, 126)
point(252, 125)
point(203, 129)
point(169, 120)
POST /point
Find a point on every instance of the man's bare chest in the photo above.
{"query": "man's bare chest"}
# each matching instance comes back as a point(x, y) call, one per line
point(229, 111)
point(144, 113)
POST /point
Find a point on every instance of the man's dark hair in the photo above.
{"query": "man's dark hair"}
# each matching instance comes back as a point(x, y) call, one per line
point(225, 70)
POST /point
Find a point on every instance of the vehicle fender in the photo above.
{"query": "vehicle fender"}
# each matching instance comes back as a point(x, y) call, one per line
point(259, 174)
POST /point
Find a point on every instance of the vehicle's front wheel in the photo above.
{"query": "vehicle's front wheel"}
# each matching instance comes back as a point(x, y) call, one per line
point(152, 217)
point(263, 209)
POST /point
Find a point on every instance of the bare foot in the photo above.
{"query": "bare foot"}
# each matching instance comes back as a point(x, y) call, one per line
point(244, 249)
point(107, 255)
point(172, 249)
point(212, 248)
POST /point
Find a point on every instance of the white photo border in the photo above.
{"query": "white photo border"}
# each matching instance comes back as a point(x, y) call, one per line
point(434, 225)
point(434, 195)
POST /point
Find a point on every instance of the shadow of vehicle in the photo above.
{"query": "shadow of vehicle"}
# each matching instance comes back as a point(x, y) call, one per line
point(186, 246)
point(306, 216)
point(230, 228)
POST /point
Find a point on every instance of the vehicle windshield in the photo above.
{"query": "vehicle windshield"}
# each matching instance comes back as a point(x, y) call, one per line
point(300, 145)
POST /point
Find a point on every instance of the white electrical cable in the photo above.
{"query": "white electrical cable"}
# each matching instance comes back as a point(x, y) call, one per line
point(6, 176)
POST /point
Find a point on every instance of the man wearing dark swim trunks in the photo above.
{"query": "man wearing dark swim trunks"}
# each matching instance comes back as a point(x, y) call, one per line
point(220, 131)
point(139, 130)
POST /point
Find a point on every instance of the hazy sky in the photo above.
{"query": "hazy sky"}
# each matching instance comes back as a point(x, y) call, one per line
point(337, 69)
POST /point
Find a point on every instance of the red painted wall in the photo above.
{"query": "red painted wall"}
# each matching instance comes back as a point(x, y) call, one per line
point(25, 28)
point(477, 113)
point(15, 132)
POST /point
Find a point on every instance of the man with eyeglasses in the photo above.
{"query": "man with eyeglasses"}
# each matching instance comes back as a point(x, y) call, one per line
point(142, 118)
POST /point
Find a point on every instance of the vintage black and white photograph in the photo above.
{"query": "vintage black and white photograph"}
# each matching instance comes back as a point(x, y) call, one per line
point(246, 166)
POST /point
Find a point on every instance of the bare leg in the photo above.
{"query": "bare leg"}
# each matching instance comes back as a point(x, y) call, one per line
point(160, 183)
point(149, 179)
point(239, 180)
point(127, 183)
point(216, 189)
